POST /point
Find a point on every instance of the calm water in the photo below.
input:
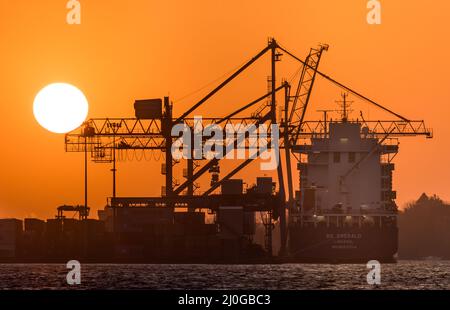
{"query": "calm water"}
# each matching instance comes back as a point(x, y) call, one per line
point(404, 275)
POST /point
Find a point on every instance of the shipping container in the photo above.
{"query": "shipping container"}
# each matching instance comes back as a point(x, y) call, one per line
point(11, 231)
point(34, 225)
point(232, 187)
point(148, 108)
point(264, 185)
point(231, 222)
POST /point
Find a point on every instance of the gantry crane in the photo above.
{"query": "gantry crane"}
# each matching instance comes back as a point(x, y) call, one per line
point(103, 137)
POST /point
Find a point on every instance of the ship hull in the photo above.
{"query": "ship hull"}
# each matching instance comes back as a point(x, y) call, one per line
point(342, 245)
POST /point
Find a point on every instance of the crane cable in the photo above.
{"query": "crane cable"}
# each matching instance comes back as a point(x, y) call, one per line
point(343, 86)
point(211, 82)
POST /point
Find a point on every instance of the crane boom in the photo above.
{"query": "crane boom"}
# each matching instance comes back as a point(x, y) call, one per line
point(304, 89)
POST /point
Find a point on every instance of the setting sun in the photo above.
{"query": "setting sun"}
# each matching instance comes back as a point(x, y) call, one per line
point(60, 107)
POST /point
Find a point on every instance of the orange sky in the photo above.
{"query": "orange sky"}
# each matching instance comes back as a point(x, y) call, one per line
point(142, 49)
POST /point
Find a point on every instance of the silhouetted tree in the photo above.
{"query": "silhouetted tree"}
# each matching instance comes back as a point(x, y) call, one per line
point(424, 228)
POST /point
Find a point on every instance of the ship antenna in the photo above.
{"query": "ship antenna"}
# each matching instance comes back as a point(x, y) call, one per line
point(345, 104)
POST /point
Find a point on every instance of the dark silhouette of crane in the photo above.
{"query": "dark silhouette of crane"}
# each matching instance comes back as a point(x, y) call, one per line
point(153, 132)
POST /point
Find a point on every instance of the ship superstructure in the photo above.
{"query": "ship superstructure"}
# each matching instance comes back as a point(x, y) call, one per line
point(346, 209)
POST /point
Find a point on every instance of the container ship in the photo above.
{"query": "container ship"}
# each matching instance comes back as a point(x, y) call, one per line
point(344, 210)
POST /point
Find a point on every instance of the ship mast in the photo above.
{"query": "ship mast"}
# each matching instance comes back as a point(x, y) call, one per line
point(345, 105)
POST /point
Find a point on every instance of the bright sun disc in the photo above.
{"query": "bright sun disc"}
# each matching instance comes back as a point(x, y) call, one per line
point(60, 107)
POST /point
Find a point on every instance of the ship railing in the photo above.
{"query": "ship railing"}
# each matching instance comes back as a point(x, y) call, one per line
point(373, 219)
